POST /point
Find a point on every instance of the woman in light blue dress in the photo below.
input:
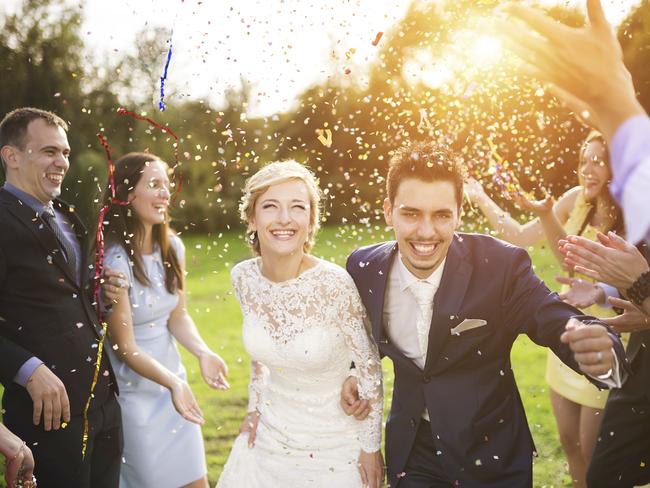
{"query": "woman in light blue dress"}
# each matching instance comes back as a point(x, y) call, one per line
point(143, 286)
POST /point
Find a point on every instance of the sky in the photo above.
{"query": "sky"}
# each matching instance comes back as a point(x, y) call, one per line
point(278, 47)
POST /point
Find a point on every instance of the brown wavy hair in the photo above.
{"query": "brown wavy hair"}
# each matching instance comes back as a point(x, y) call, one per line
point(618, 224)
point(123, 227)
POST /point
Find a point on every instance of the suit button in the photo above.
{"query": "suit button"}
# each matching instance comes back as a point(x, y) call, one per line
point(413, 423)
point(426, 378)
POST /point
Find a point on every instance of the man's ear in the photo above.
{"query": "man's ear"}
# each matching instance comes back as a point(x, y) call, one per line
point(388, 212)
point(9, 156)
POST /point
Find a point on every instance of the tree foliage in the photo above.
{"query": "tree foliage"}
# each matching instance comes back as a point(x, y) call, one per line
point(42, 64)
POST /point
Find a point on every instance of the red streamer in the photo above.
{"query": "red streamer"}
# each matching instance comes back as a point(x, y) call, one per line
point(99, 251)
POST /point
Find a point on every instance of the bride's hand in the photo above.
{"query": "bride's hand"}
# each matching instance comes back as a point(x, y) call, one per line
point(371, 467)
point(350, 402)
point(250, 425)
point(185, 403)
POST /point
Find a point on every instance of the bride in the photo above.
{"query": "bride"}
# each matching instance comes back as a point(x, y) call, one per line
point(304, 324)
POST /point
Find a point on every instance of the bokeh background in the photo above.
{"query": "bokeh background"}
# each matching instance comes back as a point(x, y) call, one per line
point(252, 82)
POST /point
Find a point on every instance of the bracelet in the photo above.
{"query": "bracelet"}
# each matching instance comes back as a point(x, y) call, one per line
point(640, 289)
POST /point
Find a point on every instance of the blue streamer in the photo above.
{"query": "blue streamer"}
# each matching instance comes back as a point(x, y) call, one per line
point(161, 105)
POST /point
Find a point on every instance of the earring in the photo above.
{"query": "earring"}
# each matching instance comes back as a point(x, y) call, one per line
point(252, 236)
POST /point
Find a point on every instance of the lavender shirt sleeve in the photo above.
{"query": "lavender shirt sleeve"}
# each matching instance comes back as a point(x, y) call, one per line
point(26, 370)
point(630, 155)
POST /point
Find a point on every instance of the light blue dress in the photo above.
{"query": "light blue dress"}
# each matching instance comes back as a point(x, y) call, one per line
point(161, 449)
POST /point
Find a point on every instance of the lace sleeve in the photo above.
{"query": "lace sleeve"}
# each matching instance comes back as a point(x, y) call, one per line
point(256, 385)
point(363, 351)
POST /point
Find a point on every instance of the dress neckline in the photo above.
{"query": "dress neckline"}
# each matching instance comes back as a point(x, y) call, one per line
point(258, 267)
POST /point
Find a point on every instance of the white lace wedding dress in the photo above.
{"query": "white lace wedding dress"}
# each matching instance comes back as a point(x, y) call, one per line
point(302, 335)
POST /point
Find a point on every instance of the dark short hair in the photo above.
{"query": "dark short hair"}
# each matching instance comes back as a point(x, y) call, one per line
point(426, 161)
point(14, 125)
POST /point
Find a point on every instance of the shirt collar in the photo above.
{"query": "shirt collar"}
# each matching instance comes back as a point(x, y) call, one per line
point(32, 202)
point(406, 278)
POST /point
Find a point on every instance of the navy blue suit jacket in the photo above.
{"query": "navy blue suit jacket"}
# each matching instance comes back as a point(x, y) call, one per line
point(467, 385)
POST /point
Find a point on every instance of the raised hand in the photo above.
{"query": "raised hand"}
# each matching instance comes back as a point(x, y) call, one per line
point(586, 63)
point(612, 260)
point(50, 398)
point(581, 294)
point(633, 318)
point(537, 207)
point(473, 189)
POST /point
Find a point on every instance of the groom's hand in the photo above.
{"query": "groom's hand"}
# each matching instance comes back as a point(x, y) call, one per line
point(350, 402)
point(591, 346)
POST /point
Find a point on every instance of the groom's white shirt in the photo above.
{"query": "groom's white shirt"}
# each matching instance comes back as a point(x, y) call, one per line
point(401, 311)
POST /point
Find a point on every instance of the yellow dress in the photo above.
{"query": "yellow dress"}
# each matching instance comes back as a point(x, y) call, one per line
point(560, 378)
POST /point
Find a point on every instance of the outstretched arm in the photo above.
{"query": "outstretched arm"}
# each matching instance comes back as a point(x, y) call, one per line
point(583, 343)
point(213, 369)
point(548, 223)
point(522, 235)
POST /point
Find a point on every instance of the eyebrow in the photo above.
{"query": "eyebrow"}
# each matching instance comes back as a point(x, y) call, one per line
point(404, 208)
point(157, 179)
point(55, 148)
point(275, 200)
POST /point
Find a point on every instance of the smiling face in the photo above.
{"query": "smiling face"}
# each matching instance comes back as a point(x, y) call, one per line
point(593, 171)
point(150, 197)
point(38, 168)
point(282, 219)
point(424, 216)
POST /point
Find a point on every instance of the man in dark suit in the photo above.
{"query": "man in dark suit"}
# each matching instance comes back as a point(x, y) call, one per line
point(446, 308)
point(49, 333)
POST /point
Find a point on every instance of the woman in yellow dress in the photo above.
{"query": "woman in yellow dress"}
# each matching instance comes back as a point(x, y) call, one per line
point(583, 210)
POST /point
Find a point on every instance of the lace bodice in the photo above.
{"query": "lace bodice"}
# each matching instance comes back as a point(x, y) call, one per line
point(302, 335)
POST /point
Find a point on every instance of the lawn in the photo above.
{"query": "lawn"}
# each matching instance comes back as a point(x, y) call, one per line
point(216, 313)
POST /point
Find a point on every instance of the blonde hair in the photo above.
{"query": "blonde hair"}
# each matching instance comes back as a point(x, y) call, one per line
point(274, 174)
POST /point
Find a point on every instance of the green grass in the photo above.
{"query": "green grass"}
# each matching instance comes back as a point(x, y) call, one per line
point(217, 315)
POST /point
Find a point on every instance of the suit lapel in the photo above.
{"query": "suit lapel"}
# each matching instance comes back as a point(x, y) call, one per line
point(379, 278)
point(41, 231)
point(448, 299)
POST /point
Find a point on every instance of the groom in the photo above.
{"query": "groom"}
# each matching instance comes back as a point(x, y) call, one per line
point(446, 308)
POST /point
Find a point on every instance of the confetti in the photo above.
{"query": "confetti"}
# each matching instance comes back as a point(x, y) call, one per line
point(325, 137)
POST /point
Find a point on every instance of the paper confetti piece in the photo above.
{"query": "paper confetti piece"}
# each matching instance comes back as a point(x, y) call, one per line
point(377, 38)
point(425, 123)
point(325, 137)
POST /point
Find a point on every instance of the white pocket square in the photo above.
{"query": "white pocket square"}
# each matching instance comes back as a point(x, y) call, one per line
point(467, 324)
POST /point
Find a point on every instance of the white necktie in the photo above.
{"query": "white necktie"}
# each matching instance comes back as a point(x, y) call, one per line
point(423, 292)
